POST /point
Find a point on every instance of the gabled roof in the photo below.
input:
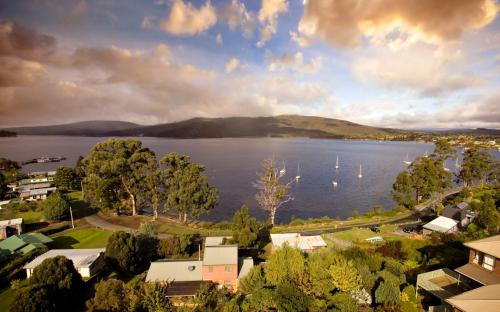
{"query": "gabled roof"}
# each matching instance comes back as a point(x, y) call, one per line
point(175, 271)
point(441, 224)
point(482, 299)
point(12, 243)
point(215, 240)
point(220, 255)
point(24, 243)
point(36, 238)
point(297, 241)
point(489, 245)
point(82, 258)
point(453, 212)
point(478, 274)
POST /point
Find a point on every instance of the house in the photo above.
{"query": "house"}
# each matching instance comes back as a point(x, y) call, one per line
point(11, 227)
point(460, 213)
point(304, 243)
point(87, 262)
point(482, 299)
point(442, 225)
point(22, 244)
point(454, 288)
point(36, 194)
point(220, 265)
point(484, 261)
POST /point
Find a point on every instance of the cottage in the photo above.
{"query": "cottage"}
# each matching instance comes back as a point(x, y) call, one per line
point(442, 225)
point(460, 213)
point(86, 261)
point(304, 243)
point(11, 227)
point(36, 194)
point(220, 265)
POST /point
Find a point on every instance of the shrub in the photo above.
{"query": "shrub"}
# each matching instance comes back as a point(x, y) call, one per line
point(129, 251)
point(33, 298)
point(110, 295)
point(387, 292)
point(56, 207)
point(54, 229)
point(290, 298)
point(392, 249)
point(343, 302)
point(254, 280)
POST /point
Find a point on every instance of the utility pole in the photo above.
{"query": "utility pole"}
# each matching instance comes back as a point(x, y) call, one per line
point(71, 214)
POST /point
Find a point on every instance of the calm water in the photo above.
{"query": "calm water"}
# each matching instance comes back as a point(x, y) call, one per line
point(231, 165)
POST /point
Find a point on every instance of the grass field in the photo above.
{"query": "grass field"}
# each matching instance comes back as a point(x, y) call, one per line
point(31, 216)
point(81, 238)
point(360, 234)
point(6, 296)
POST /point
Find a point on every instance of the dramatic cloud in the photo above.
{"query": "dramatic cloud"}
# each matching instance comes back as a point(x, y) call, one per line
point(427, 71)
point(184, 19)
point(237, 16)
point(344, 23)
point(268, 18)
point(18, 72)
point(24, 42)
point(296, 63)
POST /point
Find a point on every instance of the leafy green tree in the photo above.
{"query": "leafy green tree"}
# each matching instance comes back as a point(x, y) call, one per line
point(428, 177)
point(209, 299)
point(129, 251)
point(147, 228)
point(345, 277)
point(56, 207)
point(156, 188)
point(115, 173)
point(66, 178)
point(11, 170)
point(188, 190)
point(286, 265)
point(476, 165)
point(33, 298)
point(174, 246)
point(387, 292)
point(3, 186)
point(110, 295)
point(261, 300)
point(342, 302)
point(245, 228)
point(290, 298)
point(272, 194)
point(402, 190)
point(488, 215)
point(443, 150)
point(253, 281)
point(155, 298)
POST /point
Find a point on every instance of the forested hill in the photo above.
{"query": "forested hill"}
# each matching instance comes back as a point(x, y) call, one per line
point(279, 126)
point(85, 128)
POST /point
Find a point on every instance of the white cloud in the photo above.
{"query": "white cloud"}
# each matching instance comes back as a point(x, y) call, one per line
point(237, 16)
point(218, 39)
point(184, 19)
point(268, 18)
point(232, 65)
point(296, 63)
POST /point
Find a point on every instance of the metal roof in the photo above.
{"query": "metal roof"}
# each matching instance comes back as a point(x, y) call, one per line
point(215, 240)
point(12, 243)
point(297, 241)
point(441, 224)
point(175, 271)
point(482, 299)
point(35, 238)
point(479, 274)
point(40, 191)
point(82, 258)
point(489, 245)
point(218, 255)
point(244, 266)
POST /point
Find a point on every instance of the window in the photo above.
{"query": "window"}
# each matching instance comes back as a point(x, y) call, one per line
point(210, 268)
point(477, 257)
point(489, 262)
point(228, 268)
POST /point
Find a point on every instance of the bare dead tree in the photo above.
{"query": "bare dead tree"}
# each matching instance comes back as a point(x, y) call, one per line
point(272, 193)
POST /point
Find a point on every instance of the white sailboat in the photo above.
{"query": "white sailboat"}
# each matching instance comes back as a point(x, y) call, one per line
point(337, 163)
point(334, 183)
point(407, 160)
point(297, 177)
point(360, 174)
point(283, 171)
point(426, 155)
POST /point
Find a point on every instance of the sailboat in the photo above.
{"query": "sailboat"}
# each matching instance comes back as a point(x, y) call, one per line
point(334, 183)
point(297, 177)
point(337, 163)
point(283, 171)
point(426, 155)
point(457, 165)
point(407, 160)
point(360, 174)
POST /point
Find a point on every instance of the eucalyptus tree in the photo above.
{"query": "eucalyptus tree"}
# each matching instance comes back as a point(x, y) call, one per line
point(402, 190)
point(428, 176)
point(189, 193)
point(476, 165)
point(115, 171)
point(272, 193)
point(444, 150)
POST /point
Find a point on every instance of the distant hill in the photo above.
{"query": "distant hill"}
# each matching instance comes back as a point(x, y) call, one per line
point(279, 126)
point(478, 131)
point(4, 133)
point(84, 128)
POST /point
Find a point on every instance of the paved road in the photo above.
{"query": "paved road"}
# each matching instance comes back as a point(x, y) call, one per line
point(433, 201)
point(100, 223)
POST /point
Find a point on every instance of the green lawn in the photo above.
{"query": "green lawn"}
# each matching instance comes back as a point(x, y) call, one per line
point(6, 296)
point(31, 216)
point(81, 238)
point(360, 234)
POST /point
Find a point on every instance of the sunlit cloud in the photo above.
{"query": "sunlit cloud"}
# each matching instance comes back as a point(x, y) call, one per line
point(268, 18)
point(184, 19)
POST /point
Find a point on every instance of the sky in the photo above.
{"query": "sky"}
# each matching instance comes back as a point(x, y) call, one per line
point(409, 64)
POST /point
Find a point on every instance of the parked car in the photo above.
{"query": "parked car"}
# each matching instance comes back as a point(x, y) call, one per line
point(375, 229)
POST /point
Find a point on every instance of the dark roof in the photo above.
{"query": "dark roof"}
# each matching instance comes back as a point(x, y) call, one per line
point(177, 289)
point(455, 213)
point(478, 274)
